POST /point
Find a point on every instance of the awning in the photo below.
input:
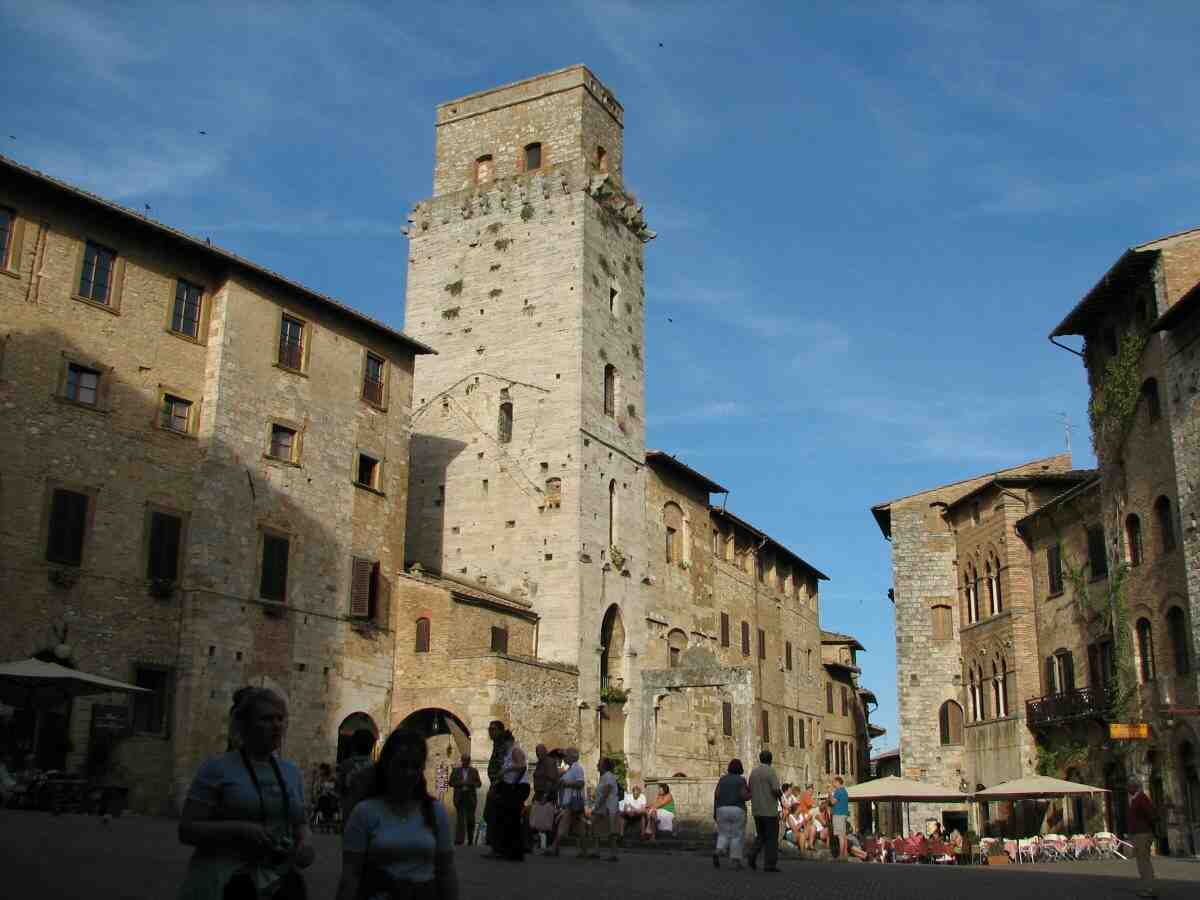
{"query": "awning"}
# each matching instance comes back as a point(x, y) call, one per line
point(1036, 787)
point(893, 788)
point(31, 682)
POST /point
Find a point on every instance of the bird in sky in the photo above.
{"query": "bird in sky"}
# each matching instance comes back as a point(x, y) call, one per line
point(669, 319)
point(204, 132)
point(147, 205)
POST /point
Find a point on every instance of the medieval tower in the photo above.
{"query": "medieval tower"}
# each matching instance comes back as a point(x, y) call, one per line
point(526, 273)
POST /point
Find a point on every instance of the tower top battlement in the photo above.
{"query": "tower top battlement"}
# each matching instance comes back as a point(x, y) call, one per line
point(577, 76)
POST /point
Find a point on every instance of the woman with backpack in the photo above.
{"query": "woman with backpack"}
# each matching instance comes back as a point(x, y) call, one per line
point(729, 812)
point(397, 842)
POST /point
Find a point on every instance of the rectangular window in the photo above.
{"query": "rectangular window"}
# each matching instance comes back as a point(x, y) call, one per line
point(185, 317)
point(745, 639)
point(83, 384)
point(273, 584)
point(801, 729)
point(787, 655)
point(724, 629)
point(95, 281)
point(499, 639)
point(762, 644)
point(150, 710)
point(727, 719)
point(845, 701)
point(766, 727)
point(373, 380)
point(1054, 573)
point(176, 414)
point(368, 471)
point(829, 697)
point(828, 757)
point(165, 533)
point(716, 543)
point(364, 588)
point(533, 157)
point(1097, 559)
point(283, 443)
point(670, 547)
point(7, 221)
point(791, 732)
point(291, 343)
point(68, 521)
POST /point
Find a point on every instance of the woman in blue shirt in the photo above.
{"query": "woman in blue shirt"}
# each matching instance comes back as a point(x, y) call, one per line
point(397, 841)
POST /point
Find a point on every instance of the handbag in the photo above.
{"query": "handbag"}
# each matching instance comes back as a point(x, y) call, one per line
point(541, 817)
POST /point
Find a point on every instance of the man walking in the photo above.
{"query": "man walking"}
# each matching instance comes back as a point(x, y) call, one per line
point(765, 794)
point(464, 785)
point(1142, 815)
point(840, 801)
point(496, 732)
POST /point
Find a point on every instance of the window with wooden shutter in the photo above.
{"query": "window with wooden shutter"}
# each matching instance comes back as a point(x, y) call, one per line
point(724, 629)
point(422, 642)
point(787, 654)
point(762, 644)
point(828, 757)
point(150, 709)
point(68, 521)
point(373, 379)
point(791, 732)
point(95, 279)
point(1097, 558)
point(291, 343)
point(273, 584)
point(745, 639)
point(766, 727)
point(1054, 573)
point(163, 562)
point(362, 574)
point(845, 701)
point(499, 639)
point(803, 743)
point(727, 719)
point(829, 697)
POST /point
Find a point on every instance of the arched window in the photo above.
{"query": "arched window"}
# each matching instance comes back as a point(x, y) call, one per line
point(612, 513)
point(1149, 394)
point(1165, 523)
point(991, 587)
point(611, 383)
point(553, 493)
point(676, 643)
point(422, 642)
point(673, 525)
point(1145, 646)
point(973, 696)
point(996, 704)
point(1004, 686)
point(1178, 633)
point(1133, 539)
point(601, 159)
point(999, 592)
point(943, 622)
point(950, 723)
point(485, 168)
point(533, 157)
point(505, 424)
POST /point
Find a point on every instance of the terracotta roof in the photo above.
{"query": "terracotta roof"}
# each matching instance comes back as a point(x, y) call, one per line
point(834, 637)
point(1134, 264)
point(885, 755)
point(883, 512)
point(471, 591)
point(846, 667)
point(659, 457)
point(12, 167)
point(719, 513)
point(1071, 476)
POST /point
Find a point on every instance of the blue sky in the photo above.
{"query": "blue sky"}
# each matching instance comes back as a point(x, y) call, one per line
point(869, 215)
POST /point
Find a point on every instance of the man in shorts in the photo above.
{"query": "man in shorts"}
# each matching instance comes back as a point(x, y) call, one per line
point(840, 800)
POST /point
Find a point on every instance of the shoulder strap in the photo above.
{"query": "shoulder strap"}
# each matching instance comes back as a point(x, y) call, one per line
point(262, 806)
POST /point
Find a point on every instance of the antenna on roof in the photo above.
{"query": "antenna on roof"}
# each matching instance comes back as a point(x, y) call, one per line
point(1067, 427)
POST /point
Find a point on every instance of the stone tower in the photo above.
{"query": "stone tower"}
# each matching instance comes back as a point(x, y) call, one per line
point(526, 275)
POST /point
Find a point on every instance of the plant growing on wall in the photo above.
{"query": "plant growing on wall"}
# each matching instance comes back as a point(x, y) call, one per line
point(1057, 759)
point(455, 288)
point(1115, 398)
point(613, 694)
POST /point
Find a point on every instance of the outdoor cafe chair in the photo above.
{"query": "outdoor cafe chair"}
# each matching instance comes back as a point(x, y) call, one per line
point(982, 851)
point(1028, 849)
point(1108, 845)
point(1082, 846)
point(1055, 848)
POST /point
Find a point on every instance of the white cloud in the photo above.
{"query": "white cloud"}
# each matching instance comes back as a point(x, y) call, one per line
point(708, 413)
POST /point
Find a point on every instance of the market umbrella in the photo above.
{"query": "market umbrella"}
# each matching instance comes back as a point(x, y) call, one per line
point(31, 682)
point(1037, 787)
point(894, 788)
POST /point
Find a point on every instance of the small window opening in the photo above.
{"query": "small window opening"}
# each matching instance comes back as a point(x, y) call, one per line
point(533, 157)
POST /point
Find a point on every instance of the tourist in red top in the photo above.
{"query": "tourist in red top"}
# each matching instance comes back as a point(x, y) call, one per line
point(1141, 825)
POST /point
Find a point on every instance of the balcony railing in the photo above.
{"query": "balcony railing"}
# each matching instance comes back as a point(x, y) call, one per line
point(1084, 703)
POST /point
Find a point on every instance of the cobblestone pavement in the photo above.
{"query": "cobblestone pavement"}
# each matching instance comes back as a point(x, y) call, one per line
point(45, 857)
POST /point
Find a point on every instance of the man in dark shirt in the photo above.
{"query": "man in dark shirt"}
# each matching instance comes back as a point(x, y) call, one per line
point(1141, 826)
point(496, 731)
point(465, 783)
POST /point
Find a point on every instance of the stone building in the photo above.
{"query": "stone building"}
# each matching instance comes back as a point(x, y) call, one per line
point(930, 615)
point(687, 635)
point(203, 473)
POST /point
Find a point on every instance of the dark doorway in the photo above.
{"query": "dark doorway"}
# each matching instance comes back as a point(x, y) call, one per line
point(1118, 785)
point(352, 723)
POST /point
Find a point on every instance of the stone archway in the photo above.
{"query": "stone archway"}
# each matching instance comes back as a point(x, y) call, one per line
point(612, 653)
point(447, 737)
point(356, 721)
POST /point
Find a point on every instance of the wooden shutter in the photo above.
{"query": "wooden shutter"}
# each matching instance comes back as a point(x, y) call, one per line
point(845, 701)
point(422, 641)
point(791, 732)
point(68, 518)
point(787, 647)
point(801, 730)
point(727, 719)
point(1068, 672)
point(362, 571)
point(273, 585)
point(1050, 675)
point(724, 629)
point(762, 644)
point(16, 244)
point(499, 640)
point(829, 697)
point(164, 546)
point(745, 639)
point(766, 727)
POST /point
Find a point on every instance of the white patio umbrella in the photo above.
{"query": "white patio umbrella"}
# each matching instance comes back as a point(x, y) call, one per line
point(904, 790)
point(31, 682)
point(1037, 787)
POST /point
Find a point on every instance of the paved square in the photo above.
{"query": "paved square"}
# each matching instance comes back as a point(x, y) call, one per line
point(135, 858)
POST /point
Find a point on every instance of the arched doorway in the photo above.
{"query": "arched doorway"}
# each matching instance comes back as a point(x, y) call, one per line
point(354, 722)
point(612, 643)
point(1189, 774)
point(447, 737)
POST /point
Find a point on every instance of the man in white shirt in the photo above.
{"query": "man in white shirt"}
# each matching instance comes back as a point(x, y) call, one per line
point(633, 809)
